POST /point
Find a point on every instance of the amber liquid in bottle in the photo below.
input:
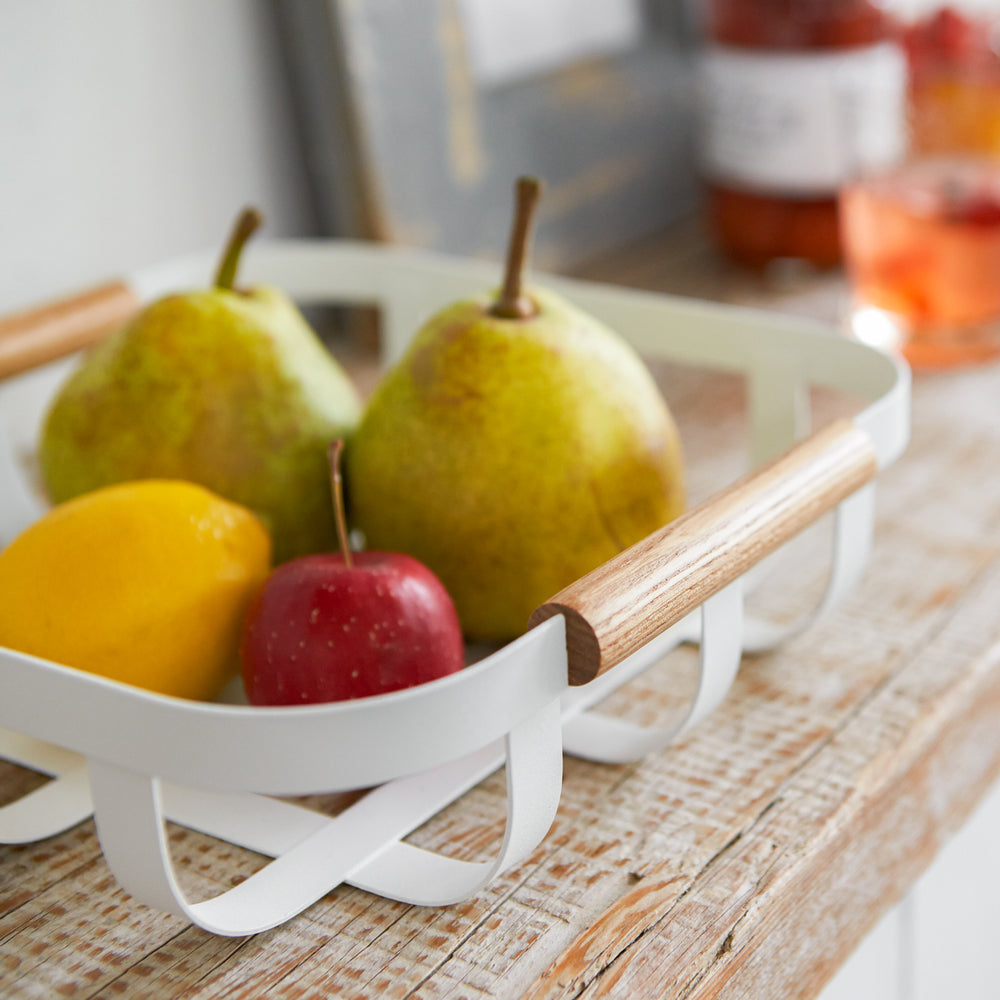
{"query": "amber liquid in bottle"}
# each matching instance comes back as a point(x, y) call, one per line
point(757, 218)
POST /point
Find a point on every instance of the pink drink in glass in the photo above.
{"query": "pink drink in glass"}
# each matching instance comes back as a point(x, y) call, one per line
point(922, 249)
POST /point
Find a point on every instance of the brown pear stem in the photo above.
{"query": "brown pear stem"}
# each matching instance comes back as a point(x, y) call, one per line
point(512, 304)
point(339, 513)
point(246, 225)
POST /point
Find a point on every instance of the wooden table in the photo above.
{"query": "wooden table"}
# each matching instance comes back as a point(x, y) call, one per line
point(746, 861)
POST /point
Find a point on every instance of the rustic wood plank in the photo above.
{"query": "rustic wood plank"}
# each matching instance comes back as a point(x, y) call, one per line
point(770, 916)
point(871, 773)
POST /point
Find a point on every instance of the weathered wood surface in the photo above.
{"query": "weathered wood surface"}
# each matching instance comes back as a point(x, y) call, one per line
point(746, 861)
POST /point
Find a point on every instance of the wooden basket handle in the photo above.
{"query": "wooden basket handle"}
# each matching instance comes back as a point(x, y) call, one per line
point(34, 336)
point(629, 600)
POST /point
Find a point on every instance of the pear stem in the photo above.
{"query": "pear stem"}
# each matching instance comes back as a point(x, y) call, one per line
point(246, 225)
point(340, 514)
point(512, 304)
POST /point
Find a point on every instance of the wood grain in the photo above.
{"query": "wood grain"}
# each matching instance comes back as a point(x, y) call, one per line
point(616, 609)
point(34, 336)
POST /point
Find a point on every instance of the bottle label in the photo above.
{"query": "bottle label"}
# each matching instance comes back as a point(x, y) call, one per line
point(801, 123)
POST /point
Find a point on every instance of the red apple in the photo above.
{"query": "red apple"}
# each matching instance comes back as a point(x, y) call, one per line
point(345, 625)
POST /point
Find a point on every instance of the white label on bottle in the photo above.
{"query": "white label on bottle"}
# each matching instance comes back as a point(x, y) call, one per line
point(801, 123)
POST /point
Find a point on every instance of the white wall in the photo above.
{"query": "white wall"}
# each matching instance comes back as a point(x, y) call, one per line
point(134, 130)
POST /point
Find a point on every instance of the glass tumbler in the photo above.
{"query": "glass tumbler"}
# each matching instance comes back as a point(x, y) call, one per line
point(922, 240)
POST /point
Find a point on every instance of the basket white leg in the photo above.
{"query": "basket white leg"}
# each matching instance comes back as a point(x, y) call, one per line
point(609, 740)
point(534, 783)
point(778, 406)
point(51, 808)
point(129, 816)
point(854, 528)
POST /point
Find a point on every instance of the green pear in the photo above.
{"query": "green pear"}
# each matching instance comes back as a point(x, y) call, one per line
point(226, 387)
point(517, 444)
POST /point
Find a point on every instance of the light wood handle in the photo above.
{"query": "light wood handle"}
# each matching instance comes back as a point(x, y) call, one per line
point(44, 333)
point(629, 600)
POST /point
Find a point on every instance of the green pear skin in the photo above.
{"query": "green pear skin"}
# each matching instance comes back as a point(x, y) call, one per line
point(512, 456)
point(229, 389)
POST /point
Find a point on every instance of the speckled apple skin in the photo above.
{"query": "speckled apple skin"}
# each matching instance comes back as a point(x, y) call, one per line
point(321, 631)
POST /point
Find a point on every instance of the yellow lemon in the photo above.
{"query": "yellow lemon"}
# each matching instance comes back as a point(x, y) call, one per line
point(146, 582)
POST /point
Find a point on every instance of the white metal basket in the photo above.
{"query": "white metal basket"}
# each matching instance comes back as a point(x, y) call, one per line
point(135, 759)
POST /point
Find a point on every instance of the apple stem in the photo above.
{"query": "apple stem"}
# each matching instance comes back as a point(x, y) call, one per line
point(246, 225)
point(511, 304)
point(337, 487)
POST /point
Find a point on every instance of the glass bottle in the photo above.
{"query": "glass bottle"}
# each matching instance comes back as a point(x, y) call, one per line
point(953, 53)
point(799, 96)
